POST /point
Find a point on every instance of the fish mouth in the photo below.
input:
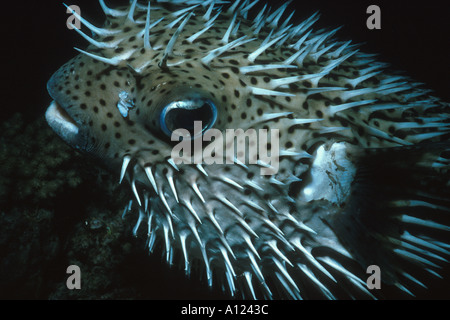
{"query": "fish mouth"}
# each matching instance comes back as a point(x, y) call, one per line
point(64, 125)
point(57, 117)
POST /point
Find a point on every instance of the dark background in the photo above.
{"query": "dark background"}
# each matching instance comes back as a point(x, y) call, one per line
point(35, 43)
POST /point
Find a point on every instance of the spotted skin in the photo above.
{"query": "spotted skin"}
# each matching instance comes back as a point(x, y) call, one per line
point(260, 235)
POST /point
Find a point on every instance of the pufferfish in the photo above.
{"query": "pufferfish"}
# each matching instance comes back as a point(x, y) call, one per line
point(358, 173)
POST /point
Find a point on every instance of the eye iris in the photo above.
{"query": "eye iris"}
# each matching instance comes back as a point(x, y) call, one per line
point(183, 114)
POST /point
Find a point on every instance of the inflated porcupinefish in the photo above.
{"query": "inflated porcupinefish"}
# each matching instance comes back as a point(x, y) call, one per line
point(278, 160)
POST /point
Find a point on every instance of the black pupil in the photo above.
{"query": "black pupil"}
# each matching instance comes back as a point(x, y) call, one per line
point(180, 118)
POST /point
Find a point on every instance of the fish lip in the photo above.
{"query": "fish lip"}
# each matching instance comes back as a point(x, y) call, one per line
point(62, 119)
point(61, 103)
point(56, 115)
point(65, 126)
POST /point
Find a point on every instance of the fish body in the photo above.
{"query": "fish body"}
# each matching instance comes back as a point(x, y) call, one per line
point(358, 169)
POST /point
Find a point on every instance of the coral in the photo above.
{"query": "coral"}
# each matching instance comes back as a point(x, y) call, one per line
point(36, 165)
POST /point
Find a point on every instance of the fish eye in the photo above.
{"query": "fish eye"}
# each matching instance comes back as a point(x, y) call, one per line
point(183, 114)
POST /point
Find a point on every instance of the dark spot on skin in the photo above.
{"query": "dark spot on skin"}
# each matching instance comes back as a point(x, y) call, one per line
point(361, 131)
point(109, 38)
point(307, 84)
point(343, 122)
point(337, 101)
point(291, 129)
point(401, 135)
